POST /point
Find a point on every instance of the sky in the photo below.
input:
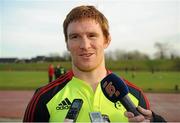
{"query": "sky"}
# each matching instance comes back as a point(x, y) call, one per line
point(34, 27)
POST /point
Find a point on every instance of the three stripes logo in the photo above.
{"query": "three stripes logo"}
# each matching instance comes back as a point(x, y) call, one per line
point(65, 104)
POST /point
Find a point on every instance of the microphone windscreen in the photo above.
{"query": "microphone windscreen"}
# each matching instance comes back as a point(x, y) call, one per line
point(114, 87)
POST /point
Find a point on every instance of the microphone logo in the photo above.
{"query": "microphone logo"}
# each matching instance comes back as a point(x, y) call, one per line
point(110, 89)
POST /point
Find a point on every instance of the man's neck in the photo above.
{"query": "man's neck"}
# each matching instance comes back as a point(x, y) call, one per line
point(91, 77)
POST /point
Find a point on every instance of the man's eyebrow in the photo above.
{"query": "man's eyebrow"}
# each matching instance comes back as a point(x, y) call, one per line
point(72, 34)
point(93, 33)
point(90, 32)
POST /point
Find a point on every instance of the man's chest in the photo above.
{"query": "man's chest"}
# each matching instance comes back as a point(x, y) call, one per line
point(59, 105)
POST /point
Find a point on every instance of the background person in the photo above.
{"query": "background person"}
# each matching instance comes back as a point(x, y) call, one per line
point(59, 70)
point(50, 72)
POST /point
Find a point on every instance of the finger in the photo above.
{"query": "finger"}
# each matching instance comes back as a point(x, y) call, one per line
point(138, 118)
point(146, 121)
point(128, 114)
point(144, 111)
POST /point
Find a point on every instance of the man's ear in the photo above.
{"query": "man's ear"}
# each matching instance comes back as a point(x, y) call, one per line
point(107, 42)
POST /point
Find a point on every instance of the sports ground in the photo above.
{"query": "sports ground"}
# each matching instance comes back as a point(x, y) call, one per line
point(13, 104)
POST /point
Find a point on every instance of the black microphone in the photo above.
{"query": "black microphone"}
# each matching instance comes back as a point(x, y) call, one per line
point(115, 90)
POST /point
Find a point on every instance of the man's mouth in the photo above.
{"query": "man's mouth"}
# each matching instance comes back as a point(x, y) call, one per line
point(86, 54)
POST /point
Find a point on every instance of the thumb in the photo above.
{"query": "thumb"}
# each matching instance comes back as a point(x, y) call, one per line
point(144, 111)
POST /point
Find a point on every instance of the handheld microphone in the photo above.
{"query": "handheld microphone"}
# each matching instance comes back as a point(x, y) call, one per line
point(115, 90)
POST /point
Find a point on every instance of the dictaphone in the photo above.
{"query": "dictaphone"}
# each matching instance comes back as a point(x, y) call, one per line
point(95, 117)
point(74, 110)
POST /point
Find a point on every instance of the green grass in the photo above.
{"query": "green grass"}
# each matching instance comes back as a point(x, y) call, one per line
point(157, 82)
point(139, 65)
point(22, 80)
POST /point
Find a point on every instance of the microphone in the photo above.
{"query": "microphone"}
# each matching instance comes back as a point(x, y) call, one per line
point(115, 90)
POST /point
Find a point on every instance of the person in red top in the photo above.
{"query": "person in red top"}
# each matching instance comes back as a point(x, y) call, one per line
point(50, 72)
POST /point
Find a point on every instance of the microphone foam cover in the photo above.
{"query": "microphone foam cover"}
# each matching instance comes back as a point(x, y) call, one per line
point(114, 87)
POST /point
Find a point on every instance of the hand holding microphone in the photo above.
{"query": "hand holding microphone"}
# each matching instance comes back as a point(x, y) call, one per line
point(146, 117)
point(115, 90)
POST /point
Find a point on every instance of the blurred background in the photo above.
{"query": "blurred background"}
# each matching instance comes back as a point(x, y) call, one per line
point(145, 47)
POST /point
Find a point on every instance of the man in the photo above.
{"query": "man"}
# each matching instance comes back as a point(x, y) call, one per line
point(87, 35)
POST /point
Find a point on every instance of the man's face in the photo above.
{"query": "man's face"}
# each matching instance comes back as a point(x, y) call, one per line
point(86, 44)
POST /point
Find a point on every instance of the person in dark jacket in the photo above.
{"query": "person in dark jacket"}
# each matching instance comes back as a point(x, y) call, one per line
point(59, 70)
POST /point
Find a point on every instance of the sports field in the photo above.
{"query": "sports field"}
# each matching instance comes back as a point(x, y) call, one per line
point(149, 82)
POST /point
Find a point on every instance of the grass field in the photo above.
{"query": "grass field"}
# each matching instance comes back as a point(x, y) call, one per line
point(22, 79)
point(157, 82)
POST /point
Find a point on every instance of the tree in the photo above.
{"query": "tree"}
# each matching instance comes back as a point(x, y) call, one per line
point(162, 49)
point(136, 55)
point(118, 54)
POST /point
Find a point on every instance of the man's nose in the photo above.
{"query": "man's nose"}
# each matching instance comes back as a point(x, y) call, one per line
point(85, 43)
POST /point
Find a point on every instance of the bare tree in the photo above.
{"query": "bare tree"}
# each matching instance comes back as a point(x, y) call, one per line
point(162, 49)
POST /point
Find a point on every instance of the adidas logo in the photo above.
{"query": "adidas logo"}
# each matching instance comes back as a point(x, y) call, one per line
point(65, 104)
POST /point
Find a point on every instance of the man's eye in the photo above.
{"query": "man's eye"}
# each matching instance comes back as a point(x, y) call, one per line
point(73, 37)
point(92, 35)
